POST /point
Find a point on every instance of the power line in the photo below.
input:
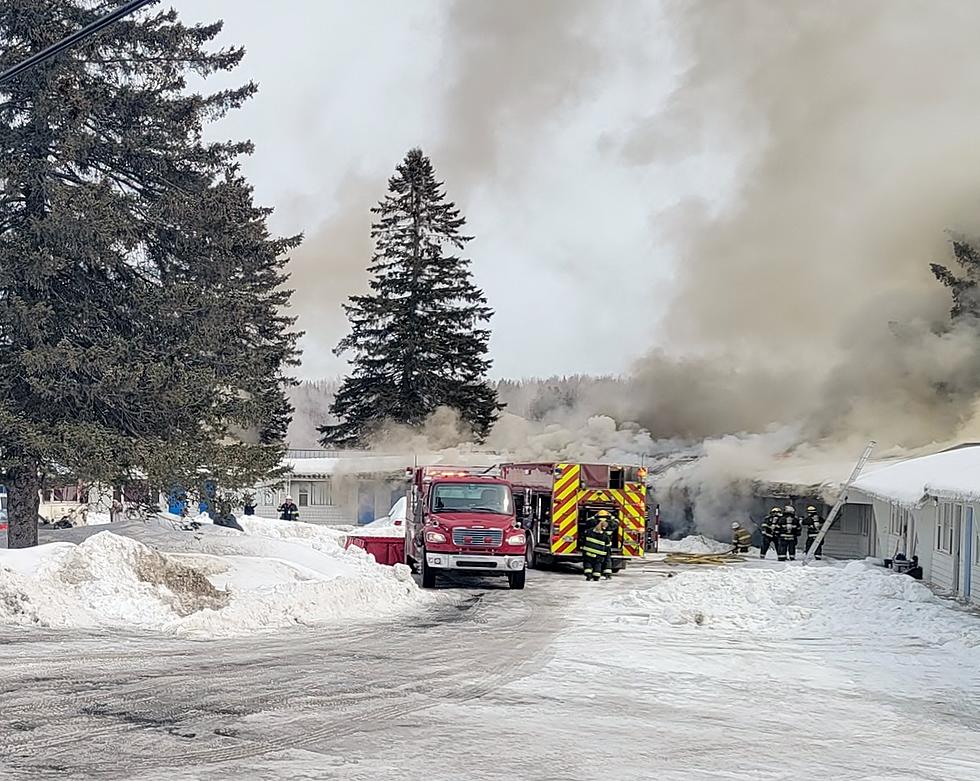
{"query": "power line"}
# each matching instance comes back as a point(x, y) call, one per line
point(66, 43)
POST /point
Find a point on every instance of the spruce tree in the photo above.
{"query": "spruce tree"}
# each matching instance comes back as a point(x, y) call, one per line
point(141, 295)
point(965, 289)
point(418, 339)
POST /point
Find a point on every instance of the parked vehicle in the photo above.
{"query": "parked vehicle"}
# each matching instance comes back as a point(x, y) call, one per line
point(559, 503)
point(463, 521)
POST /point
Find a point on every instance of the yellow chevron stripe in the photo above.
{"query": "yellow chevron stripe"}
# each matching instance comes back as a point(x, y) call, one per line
point(568, 511)
point(570, 473)
point(568, 525)
point(569, 492)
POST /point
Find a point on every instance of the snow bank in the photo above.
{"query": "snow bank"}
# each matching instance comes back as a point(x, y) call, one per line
point(856, 599)
point(208, 582)
point(391, 525)
point(695, 543)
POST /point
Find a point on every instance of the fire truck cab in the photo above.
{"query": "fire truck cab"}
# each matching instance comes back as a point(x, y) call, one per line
point(558, 503)
point(462, 521)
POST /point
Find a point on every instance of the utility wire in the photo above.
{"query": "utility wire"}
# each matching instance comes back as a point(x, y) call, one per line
point(66, 43)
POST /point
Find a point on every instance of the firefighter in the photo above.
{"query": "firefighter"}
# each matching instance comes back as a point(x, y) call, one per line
point(288, 511)
point(612, 535)
point(770, 531)
point(741, 539)
point(789, 533)
point(595, 549)
point(813, 523)
point(611, 532)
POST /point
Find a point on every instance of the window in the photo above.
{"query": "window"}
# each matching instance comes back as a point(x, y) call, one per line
point(303, 496)
point(322, 493)
point(67, 493)
point(856, 519)
point(471, 497)
point(949, 519)
point(899, 520)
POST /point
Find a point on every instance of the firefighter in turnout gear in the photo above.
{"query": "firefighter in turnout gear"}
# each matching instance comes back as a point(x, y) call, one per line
point(741, 539)
point(789, 533)
point(770, 531)
point(595, 549)
point(611, 532)
point(813, 523)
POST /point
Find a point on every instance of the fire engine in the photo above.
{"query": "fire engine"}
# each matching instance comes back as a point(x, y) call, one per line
point(463, 521)
point(559, 503)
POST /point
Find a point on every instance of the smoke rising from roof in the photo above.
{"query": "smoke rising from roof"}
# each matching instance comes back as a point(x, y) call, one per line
point(809, 296)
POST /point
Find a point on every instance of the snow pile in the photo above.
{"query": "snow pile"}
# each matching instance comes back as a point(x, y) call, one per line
point(108, 580)
point(391, 525)
point(695, 543)
point(854, 600)
point(314, 535)
point(209, 582)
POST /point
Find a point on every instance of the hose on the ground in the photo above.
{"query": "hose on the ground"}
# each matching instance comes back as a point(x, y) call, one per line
point(714, 559)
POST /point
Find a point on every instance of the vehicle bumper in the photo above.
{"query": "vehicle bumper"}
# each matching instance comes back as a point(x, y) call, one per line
point(475, 562)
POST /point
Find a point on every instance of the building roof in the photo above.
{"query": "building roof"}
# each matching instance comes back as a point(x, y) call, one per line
point(384, 464)
point(952, 475)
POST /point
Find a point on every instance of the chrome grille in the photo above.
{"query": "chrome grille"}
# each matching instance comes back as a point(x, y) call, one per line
point(478, 538)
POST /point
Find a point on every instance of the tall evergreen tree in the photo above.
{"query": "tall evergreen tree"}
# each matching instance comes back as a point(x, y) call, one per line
point(964, 289)
point(418, 337)
point(141, 325)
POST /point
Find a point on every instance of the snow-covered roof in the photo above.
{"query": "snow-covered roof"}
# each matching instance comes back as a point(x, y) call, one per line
point(820, 476)
point(952, 474)
point(370, 464)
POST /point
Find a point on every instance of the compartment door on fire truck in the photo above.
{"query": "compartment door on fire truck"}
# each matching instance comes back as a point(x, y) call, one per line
point(541, 508)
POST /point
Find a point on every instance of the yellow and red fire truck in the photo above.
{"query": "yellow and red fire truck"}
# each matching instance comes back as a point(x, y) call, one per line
point(559, 502)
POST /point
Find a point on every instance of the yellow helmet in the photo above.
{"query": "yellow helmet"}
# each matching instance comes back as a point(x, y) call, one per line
point(603, 515)
point(811, 509)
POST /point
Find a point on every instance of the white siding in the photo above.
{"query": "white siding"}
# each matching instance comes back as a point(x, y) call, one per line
point(851, 535)
point(974, 563)
point(941, 573)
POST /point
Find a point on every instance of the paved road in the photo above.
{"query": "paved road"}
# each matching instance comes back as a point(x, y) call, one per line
point(117, 707)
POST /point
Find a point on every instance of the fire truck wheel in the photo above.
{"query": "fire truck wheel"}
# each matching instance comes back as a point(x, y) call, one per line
point(428, 574)
point(532, 558)
point(516, 579)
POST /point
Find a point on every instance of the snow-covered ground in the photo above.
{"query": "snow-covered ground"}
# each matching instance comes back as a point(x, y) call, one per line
point(695, 543)
point(203, 581)
point(756, 671)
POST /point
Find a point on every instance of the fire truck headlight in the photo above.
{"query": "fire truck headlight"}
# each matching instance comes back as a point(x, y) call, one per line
point(435, 537)
point(516, 539)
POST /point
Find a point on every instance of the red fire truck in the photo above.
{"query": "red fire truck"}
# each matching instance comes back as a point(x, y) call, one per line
point(461, 520)
point(559, 502)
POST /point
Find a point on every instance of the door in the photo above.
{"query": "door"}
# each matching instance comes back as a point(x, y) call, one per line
point(968, 555)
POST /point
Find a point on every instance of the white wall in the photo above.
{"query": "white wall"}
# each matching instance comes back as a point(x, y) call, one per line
point(852, 535)
point(974, 564)
point(336, 501)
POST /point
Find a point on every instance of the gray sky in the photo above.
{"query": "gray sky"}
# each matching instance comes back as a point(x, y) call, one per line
point(521, 106)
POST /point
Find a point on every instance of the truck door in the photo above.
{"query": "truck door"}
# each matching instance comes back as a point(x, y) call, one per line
point(542, 519)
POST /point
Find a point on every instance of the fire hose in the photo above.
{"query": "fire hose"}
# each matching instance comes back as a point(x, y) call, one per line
point(713, 559)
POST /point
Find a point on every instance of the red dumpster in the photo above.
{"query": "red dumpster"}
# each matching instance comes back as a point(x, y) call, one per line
point(386, 550)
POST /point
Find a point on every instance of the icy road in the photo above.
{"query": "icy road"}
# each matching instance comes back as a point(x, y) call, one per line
point(756, 674)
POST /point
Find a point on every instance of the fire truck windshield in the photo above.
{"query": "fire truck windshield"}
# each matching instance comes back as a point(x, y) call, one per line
point(471, 498)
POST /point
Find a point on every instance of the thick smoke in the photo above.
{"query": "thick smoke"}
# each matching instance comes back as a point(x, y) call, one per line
point(808, 296)
point(515, 64)
point(842, 142)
